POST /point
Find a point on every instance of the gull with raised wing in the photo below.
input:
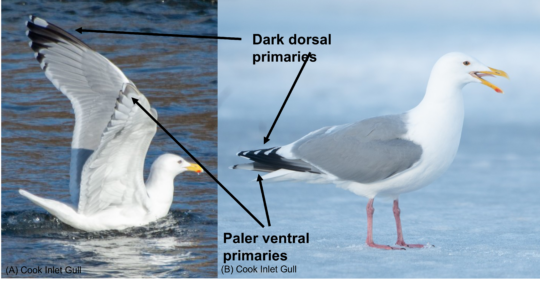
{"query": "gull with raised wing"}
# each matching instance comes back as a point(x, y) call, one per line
point(110, 140)
point(387, 155)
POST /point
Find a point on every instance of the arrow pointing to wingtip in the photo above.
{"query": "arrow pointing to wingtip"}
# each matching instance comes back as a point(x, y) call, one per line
point(260, 179)
point(81, 30)
point(136, 101)
point(267, 138)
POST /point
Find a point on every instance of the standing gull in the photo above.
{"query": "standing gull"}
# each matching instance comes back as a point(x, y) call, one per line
point(387, 155)
point(110, 139)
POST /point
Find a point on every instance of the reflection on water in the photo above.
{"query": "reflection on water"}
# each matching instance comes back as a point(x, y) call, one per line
point(173, 246)
point(178, 76)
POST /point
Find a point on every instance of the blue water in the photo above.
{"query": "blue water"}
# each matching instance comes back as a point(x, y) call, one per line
point(482, 215)
point(179, 78)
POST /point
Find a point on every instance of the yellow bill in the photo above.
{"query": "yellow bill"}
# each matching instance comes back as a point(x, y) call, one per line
point(194, 168)
point(493, 72)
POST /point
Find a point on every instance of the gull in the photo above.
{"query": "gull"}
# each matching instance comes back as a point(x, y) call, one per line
point(386, 155)
point(110, 140)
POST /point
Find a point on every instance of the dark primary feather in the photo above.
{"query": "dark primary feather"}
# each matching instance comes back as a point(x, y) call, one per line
point(267, 160)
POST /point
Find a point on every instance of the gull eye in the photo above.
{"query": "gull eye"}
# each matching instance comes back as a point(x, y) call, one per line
point(466, 62)
point(179, 161)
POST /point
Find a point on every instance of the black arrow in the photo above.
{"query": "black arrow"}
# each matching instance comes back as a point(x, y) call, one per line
point(81, 30)
point(259, 179)
point(267, 138)
point(136, 101)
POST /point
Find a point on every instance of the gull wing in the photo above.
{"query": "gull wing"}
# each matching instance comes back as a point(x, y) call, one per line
point(113, 174)
point(88, 79)
point(367, 151)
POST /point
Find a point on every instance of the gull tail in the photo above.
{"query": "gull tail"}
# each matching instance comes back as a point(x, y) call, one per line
point(63, 212)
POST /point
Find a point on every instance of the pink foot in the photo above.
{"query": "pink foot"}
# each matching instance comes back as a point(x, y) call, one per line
point(369, 239)
point(403, 244)
point(384, 247)
point(400, 241)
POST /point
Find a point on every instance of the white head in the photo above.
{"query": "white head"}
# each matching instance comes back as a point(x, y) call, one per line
point(160, 182)
point(463, 69)
point(174, 165)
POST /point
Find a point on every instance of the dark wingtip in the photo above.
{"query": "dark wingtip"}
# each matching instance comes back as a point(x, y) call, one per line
point(30, 20)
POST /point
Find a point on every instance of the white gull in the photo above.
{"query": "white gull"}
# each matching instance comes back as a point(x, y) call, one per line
point(110, 140)
point(387, 155)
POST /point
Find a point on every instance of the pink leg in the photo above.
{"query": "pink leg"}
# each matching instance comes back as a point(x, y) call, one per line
point(369, 240)
point(400, 241)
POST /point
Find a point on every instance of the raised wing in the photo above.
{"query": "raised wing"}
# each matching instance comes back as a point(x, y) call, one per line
point(89, 80)
point(113, 175)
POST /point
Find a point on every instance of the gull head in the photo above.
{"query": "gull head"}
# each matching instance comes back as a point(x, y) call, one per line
point(175, 164)
point(464, 69)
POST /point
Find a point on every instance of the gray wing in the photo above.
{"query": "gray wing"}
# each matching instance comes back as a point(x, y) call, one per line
point(113, 175)
point(89, 80)
point(364, 152)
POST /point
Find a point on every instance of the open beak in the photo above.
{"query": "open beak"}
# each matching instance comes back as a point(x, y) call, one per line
point(492, 73)
point(194, 168)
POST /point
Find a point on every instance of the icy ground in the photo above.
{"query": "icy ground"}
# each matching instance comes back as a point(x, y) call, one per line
point(482, 216)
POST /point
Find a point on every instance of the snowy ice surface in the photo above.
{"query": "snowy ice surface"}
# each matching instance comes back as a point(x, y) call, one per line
point(482, 216)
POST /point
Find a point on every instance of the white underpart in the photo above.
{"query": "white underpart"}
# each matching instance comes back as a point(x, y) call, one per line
point(435, 124)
